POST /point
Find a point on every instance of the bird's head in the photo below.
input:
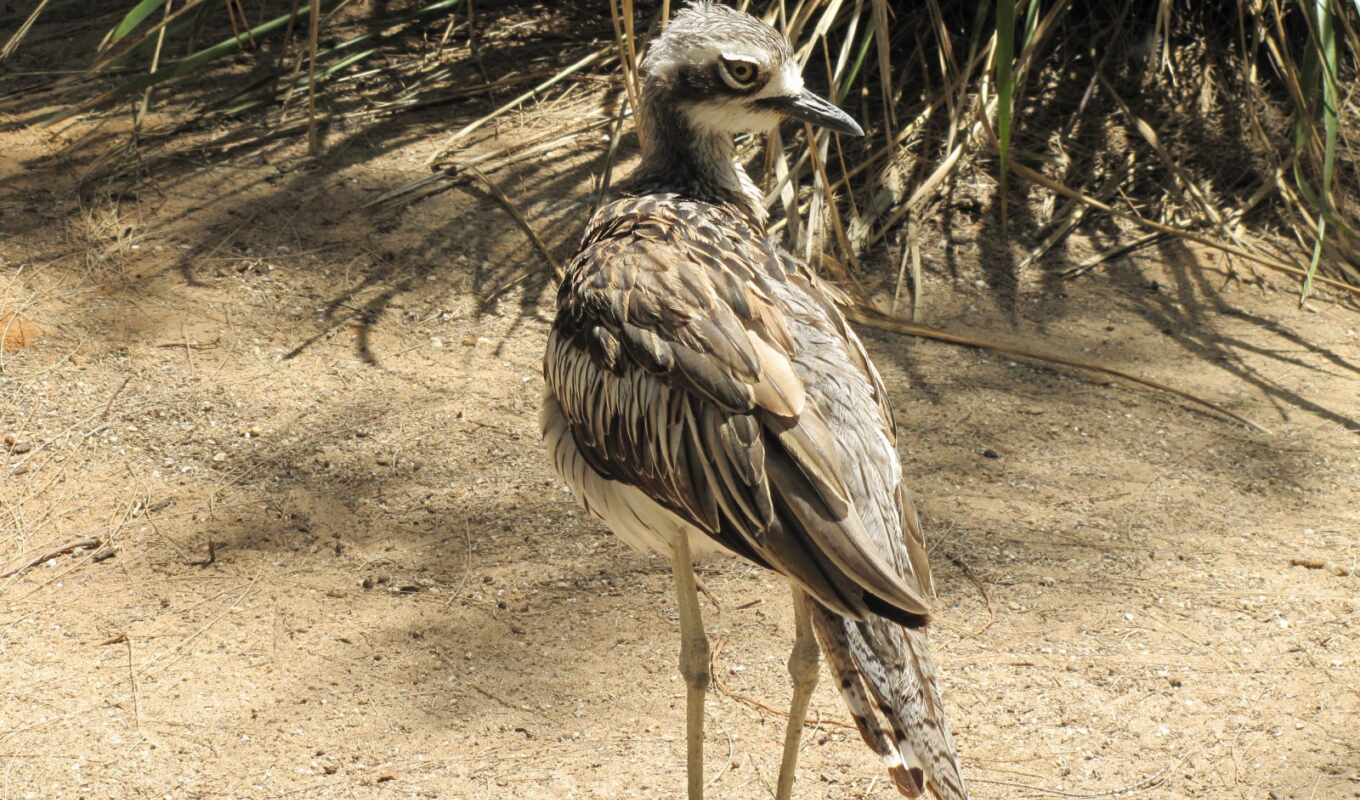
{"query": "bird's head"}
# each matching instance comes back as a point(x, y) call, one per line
point(728, 73)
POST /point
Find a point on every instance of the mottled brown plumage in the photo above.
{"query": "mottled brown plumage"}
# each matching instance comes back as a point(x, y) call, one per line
point(704, 389)
point(677, 332)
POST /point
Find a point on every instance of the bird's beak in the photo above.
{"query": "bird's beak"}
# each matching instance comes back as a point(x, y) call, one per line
point(810, 108)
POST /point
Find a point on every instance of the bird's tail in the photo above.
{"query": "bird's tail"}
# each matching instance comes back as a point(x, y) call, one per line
point(893, 663)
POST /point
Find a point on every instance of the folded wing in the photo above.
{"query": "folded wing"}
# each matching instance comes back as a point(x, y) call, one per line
point(675, 360)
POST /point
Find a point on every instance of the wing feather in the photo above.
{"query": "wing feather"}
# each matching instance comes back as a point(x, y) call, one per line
point(675, 361)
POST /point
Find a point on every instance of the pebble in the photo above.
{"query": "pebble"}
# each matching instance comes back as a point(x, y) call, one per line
point(220, 457)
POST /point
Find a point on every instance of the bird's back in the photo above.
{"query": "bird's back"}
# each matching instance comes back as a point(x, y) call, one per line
point(693, 359)
point(699, 379)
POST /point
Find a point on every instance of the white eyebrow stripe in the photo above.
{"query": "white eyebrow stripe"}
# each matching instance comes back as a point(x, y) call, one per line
point(785, 83)
point(731, 56)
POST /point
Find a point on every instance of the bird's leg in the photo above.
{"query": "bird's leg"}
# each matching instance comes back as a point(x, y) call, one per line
point(803, 664)
point(694, 664)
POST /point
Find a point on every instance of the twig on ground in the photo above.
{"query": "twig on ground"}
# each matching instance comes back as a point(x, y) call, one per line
point(65, 549)
point(731, 751)
point(873, 318)
point(192, 345)
point(514, 211)
point(982, 589)
point(1318, 563)
point(467, 567)
point(132, 680)
point(752, 702)
point(1149, 782)
point(1105, 256)
point(103, 415)
point(488, 695)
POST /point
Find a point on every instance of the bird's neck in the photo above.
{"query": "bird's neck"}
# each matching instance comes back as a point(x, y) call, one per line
point(679, 157)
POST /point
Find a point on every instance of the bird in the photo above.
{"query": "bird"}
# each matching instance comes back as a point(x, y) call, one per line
point(705, 395)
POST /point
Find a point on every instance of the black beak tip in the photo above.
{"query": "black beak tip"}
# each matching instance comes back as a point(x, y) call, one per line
point(851, 127)
point(811, 108)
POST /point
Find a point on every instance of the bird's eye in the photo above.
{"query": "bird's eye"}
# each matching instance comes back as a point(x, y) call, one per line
point(738, 73)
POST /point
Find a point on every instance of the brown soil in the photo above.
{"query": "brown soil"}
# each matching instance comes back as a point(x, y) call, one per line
point(332, 561)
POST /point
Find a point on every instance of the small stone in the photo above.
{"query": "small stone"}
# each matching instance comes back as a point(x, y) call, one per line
point(220, 457)
point(436, 342)
point(990, 453)
point(470, 340)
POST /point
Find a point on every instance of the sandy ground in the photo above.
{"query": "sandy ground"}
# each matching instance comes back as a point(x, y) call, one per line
point(332, 561)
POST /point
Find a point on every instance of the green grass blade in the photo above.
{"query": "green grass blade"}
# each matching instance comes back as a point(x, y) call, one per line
point(196, 62)
point(1320, 72)
point(135, 16)
point(1314, 261)
point(1031, 21)
point(866, 40)
point(1005, 87)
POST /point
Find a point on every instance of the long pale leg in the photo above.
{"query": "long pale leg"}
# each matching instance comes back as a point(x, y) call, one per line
point(693, 663)
point(803, 664)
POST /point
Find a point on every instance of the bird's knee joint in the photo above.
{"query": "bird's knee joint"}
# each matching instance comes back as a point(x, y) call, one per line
point(803, 663)
point(694, 656)
point(698, 679)
point(696, 675)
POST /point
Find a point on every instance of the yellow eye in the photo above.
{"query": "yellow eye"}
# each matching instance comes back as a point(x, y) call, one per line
point(739, 73)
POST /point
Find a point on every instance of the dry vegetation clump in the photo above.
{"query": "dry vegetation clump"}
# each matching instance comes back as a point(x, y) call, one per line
point(1230, 124)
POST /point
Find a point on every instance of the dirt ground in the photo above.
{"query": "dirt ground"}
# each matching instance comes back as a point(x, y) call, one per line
point(331, 560)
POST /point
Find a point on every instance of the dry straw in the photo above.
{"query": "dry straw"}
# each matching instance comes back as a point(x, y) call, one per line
point(1048, 115)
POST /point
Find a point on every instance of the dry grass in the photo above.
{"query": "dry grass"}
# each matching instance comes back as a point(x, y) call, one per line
point(1241, 136)
point(106, 233)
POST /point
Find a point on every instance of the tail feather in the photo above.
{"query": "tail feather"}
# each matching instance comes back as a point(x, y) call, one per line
point(893, 663)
